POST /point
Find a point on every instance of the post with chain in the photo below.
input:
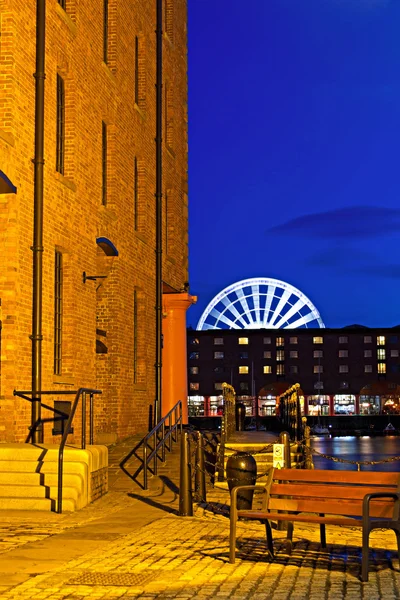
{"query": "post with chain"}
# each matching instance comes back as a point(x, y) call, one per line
point(284, 438)
point(200, 475)
point(309, 463)
point(185, 482)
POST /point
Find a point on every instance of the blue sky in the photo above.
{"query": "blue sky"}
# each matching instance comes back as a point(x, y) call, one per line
point(294, 135)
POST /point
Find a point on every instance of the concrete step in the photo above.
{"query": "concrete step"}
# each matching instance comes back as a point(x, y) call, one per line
point(42, 504)
point(37, 491)
point(49, 479)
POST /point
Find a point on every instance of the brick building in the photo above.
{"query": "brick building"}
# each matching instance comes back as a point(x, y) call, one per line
point(347, 371)
point(99, 204)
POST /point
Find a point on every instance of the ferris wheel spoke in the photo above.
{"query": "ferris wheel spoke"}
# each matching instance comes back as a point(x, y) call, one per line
point(232, 308)
point(221, 317)
point(255, 289)
point(281, 303)
point(245, 305)
point(270, 296)
point(302, 321)
point(292, 311)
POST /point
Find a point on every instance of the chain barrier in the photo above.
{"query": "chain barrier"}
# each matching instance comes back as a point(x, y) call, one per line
point(347, 461)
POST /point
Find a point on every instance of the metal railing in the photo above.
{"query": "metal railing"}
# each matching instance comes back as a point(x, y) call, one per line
point(157, 439)
point(81, 393)
point(290, 412)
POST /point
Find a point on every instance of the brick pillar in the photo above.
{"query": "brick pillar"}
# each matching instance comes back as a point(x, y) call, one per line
point(174, 369)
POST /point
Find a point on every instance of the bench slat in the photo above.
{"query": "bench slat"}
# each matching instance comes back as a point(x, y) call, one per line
point(330, 520)
point(353, 477)
point(318, 490)
point(334, 507)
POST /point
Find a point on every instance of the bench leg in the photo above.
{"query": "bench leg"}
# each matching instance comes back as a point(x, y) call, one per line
point(289, 537)
point(270, 544)
point(322, 531)
point(365, 554)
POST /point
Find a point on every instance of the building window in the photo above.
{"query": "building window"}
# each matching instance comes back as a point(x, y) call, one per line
point(218, 369)
point(60, 133)
point(194, 341)
point(243, 355)
point(104, 163)
point(319, 385)
point(137, 70)
point(218, 355)
point(135, 193)
point(395, 368)
point(244, 386)
point(267, 369)
point(343, 368)
point(318, 369)
point(280, 369)
point(293, 340)
point(394, 353)
point(58, 312)
point(280, 355)
point(318, 340)
point(318, 353)
point(105, 31)
point(194, 355)
point(293, 369)
point(394, 339)
point(280, 341)
point(293, 354)
point(267, 354)
point(267, 340)
point(381, 367)
point(381, 354)
point(218, 385)
point(343, 353)
point(367, 353)
point(135, 337)
point(343, 339)
point(243, 341)
point(169, 19)
point(243, 370)
point(194, 370)
point(194, 386)
point(218, 341)
point(62, 3)
point(344, 385)
point(367, 368)
point(380, 340)
point(367, 339)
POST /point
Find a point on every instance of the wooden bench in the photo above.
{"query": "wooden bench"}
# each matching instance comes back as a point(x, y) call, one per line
point(352, 498)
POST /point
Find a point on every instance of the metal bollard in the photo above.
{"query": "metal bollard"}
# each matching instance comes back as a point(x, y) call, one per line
point(185, 480)
point(200, 475)
point(284, 439)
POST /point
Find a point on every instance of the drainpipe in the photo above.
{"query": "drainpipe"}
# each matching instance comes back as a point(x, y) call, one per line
point(37, 248)
point(158, 195)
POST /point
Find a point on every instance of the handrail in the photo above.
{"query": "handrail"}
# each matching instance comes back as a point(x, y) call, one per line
point(80, 392)
point(176, 412)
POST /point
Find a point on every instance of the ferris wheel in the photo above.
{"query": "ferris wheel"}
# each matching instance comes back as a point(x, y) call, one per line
point(257, 303)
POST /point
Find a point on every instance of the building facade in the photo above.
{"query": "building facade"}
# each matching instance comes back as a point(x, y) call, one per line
point(348, 371)
point(99, 216)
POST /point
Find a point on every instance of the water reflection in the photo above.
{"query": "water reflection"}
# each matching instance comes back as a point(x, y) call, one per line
point(357, 449)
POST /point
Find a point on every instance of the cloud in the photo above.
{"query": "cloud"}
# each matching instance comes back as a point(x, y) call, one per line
point(340, 256)
point(384, 271)
point(350, 222)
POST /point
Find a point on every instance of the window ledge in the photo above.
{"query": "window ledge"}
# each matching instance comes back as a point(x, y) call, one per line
point(171, 260)
point(7, 137)
point(141, 237)
point(170, 152)
point(108, 72)
point(139, 110)
point(65, 18)
point(140, 387)
point(65, 181)
point(63, 380)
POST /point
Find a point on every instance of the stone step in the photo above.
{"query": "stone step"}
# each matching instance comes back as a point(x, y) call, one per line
point(42, 504)
point(37, 491)
point(49, 479)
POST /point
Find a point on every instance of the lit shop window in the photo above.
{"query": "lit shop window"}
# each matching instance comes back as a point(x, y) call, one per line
point(343, 353)
point(293, 354)
point(280, 369)
point(218, 341)
point(380, 340)
point(243, 341)
point(367, 353)
point(394, 353)
point(367, 339)
point(381, 354)
point(318, 405)
point(343, 368)
point(280, 355)
point(367, 368)
point(267, 340)
point(194, 370)
point(344, 404)
point(243, 355)
point(370, 405)
point(343, 339)
point(280, 341)
point(293, 340)
point(218, 386)
point(381, 367)
point(194, 386)
point(267, 369)
point(218, 355)
point(318, 353)
point(194, 355)
point(318, 340)
point(243, 370)
point(267, 354)
point(293, 369)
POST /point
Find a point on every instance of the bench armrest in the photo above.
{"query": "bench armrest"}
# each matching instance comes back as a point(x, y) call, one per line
point(368, 497)
point(236, 489)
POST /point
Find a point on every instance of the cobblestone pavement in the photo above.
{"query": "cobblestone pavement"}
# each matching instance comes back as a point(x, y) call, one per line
point(153, 554)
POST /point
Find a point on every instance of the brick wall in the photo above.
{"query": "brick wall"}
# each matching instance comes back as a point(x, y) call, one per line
point(73, 212)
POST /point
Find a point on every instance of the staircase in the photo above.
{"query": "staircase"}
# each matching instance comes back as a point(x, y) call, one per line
point(29, 476)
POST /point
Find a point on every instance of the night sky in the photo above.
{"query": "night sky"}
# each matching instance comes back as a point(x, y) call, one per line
point(294, 134)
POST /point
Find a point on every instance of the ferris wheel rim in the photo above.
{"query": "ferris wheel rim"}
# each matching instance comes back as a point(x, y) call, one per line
point(257, 281)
